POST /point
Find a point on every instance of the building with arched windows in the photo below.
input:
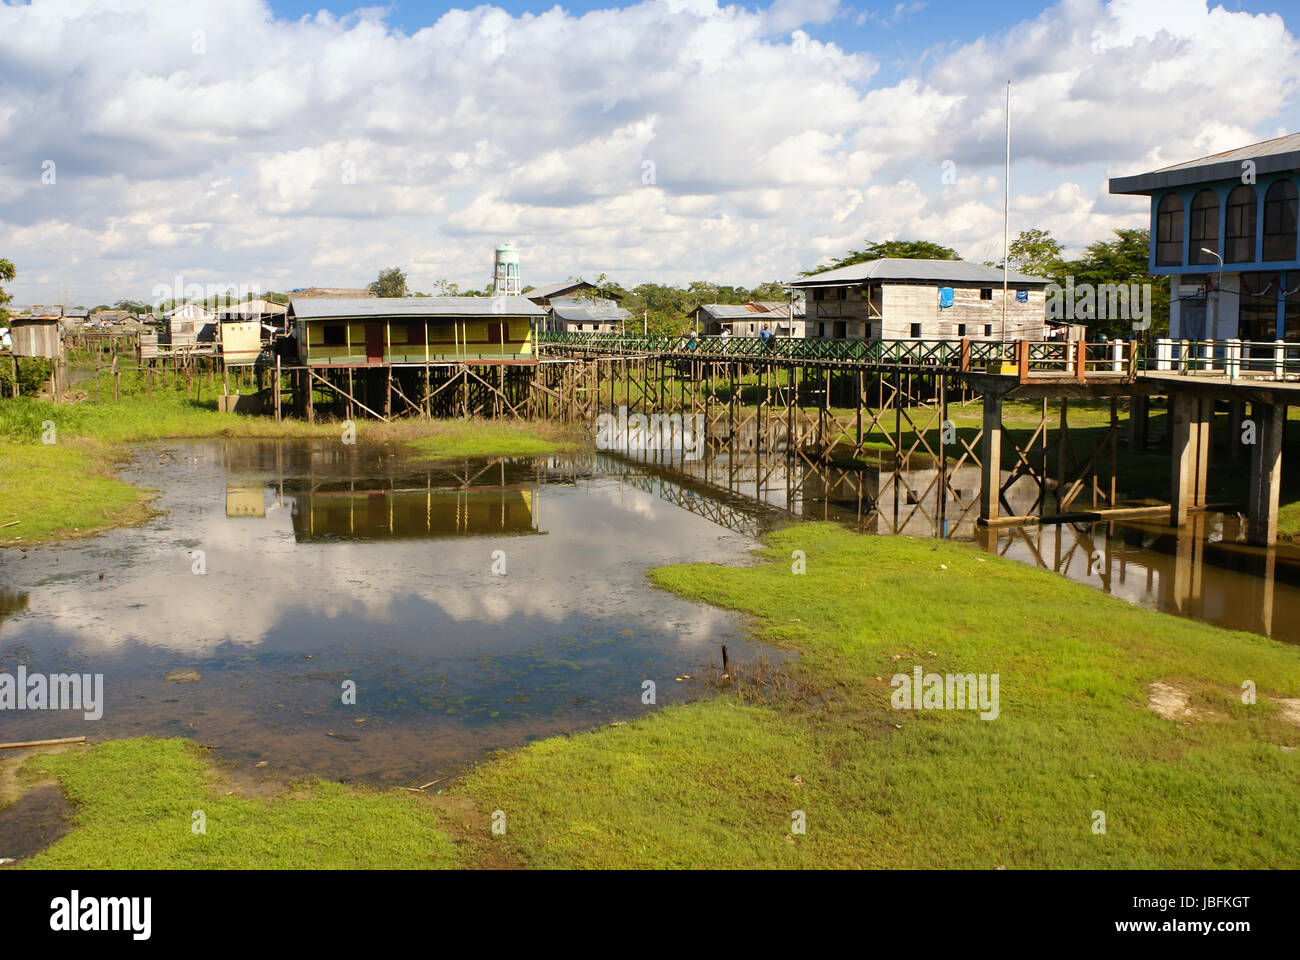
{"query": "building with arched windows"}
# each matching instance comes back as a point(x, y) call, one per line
point(1224, 229)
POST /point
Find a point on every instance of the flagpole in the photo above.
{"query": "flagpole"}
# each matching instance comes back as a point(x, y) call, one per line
point(1006, 211)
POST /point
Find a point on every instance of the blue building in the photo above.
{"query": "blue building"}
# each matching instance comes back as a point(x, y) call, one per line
point(1224, 229)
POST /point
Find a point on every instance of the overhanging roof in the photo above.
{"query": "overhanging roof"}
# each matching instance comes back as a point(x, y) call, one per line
point(934, 271)
point(378, 307)
point(1280, 155)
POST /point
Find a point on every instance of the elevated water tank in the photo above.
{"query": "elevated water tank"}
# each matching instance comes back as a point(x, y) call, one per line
point(505, 271)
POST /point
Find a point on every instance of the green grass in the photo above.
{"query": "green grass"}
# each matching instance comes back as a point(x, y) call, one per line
point(69, 488)
point(135, 802)
point(713, 783)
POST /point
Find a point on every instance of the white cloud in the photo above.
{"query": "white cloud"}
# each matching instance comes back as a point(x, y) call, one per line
point(772, 148)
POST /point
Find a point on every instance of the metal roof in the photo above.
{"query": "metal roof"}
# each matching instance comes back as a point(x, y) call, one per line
point(546, 291)
point(1281, 154)
point(936, 271)
point(573, 313)
point(754, 310)
point(326, 309)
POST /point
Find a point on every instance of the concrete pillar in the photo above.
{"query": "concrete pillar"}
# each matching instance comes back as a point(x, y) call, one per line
point(991, 465)
point(1265, 473)
point(1189, 431)
point(1139, 420)
point(1236, 413)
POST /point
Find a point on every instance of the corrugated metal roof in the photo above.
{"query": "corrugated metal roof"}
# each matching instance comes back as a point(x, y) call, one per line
point(754, 310)
point(1265, 148)
point(323, 309)
point(936, 271)
point(544, 291)
point(576, 314)
point(1281, 154)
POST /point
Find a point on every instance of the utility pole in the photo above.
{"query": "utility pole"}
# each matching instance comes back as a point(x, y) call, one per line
point(1006, 212)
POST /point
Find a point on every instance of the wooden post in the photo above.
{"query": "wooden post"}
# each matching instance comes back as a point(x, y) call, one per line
point(991, 465)
point(117, 381)
point(1265, 473)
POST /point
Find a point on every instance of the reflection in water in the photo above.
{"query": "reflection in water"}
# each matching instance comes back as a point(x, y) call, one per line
point(324, 564)
point(1204, 570)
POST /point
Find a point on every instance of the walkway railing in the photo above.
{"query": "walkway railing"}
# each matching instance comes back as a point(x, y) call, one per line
point(1274, 359)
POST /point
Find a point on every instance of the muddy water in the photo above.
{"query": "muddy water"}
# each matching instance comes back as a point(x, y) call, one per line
point(472, 605)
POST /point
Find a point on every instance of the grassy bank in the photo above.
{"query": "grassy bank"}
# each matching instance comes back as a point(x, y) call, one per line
point(68, 487)
point(148, 819)
point(717, 782)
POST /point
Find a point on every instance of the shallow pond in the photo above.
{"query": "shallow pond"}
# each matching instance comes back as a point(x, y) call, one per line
point(472, 605)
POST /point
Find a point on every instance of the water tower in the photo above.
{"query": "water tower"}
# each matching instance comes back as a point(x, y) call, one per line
point(505, 271)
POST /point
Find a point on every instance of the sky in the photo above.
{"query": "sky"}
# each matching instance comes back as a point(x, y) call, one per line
point(235, 143)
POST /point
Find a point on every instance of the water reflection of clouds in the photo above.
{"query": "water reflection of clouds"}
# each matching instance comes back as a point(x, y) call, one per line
point(262, 583)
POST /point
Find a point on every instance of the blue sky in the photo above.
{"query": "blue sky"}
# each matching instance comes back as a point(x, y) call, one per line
point(668, 141)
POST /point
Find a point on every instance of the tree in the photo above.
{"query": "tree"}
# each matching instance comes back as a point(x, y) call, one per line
point(896, 249)
point(1036, 252)
point(391, 283)
point(131, 306)
point(1122, 260)
point(7, 273)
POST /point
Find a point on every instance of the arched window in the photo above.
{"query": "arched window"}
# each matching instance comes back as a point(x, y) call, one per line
point(1169, 231)
point(1239, 245)
point(1280, 221)
point(1205, 227)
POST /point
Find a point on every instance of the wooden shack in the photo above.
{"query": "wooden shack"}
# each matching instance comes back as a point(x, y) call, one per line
point(396, 330)
point(35, 336)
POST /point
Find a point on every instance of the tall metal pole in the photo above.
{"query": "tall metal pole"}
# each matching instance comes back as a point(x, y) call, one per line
point(1006, 211)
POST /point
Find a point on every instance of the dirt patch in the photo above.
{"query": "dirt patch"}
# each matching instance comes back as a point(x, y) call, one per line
point(1288, 709)
point(1170, 701)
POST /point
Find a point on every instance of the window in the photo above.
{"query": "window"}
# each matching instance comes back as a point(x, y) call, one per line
point(988, 329)
point(336, 335)
point(1169, 231)
point(961, 329)
point(819, 293)
point(986, 293)
point(1205, 227)
point(1280, 221)
point(1239, 244)
point(916, 331)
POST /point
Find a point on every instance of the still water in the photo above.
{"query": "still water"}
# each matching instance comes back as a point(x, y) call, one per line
point(475, 605)
point(479, 604)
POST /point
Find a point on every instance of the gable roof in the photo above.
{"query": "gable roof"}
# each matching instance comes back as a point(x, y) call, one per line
point(332, 309)
point(575, 313)
point(754, 310)
point(935, 271)
point(1278, 155)
point(547, 291)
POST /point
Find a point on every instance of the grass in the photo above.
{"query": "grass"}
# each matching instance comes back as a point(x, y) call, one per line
point(717, 782)
point(146, 819)
point(714, 783)
point(68, 487)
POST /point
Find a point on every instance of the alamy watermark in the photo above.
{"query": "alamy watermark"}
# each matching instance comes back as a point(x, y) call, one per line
point(56, 691)
point(952, 691)
point(638, 433)
point(1101, 301)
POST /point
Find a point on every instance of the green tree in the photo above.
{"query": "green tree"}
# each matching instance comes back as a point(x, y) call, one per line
point(1121, 260)
point(896, 249)
point(391, 283)
point(7, 274)
point(1035, 252)
point(131, 306)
